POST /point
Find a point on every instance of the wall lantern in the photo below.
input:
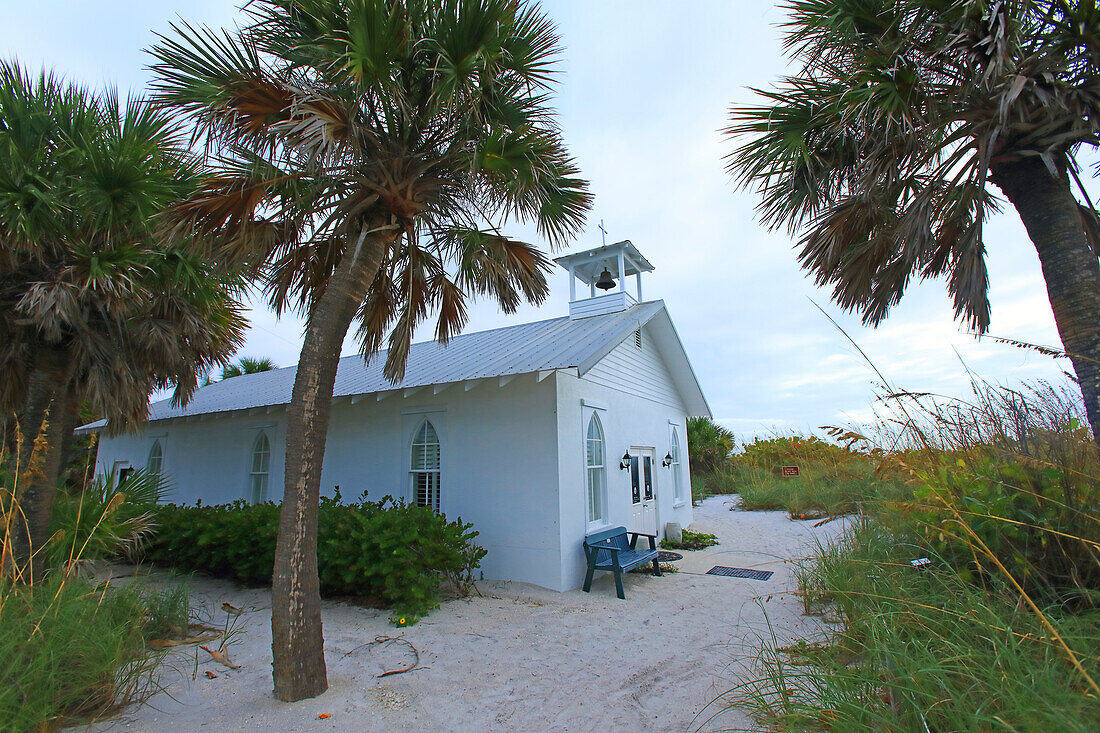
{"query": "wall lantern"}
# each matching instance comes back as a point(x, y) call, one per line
point(625, 462)
point(667, 461)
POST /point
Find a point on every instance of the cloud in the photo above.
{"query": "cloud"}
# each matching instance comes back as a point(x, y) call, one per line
point(644, 122)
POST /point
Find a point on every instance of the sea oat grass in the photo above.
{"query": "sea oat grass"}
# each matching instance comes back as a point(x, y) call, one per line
point(72, 650)
point(75, 651)
point(831, 479)
point(1000, 629)
point(922, 650)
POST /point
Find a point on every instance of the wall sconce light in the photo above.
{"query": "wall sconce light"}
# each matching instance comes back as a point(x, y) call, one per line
point(667, 461)
point(625, 462)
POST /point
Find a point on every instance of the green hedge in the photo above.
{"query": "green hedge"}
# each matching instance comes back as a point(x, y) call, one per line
point(387, 552)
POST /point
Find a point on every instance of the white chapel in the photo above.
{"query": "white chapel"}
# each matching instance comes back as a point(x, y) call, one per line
point(538, 433)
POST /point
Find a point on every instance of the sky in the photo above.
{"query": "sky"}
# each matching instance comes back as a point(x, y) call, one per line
point(644, 90)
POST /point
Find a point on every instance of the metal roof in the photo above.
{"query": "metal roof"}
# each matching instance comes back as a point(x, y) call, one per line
point(559, 343)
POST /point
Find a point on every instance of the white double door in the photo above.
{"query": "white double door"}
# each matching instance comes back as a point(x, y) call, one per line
point(643, 491)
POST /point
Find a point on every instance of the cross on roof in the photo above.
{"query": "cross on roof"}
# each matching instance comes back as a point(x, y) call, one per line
point(604, 232)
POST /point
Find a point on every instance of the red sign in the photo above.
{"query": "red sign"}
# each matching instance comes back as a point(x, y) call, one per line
point(790, 470)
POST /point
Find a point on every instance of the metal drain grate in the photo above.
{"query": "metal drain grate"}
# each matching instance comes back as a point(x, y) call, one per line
point(740, 573)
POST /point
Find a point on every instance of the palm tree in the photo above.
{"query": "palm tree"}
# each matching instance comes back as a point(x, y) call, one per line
point(93, 307)
point(246, 365)
point(709, 444)
point(882, 149)
point(364, 156)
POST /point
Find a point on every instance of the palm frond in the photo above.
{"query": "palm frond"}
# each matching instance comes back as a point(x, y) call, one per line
point(881, 149)
point(386, 123)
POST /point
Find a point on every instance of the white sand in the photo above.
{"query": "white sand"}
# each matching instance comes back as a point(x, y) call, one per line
point(519, 657)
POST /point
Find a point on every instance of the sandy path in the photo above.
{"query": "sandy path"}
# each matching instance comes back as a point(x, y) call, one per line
point(519, 658)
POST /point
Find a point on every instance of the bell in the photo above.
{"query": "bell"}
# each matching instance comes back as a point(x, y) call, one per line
point(605, 282)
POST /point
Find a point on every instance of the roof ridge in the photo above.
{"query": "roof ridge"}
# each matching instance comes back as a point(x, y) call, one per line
point(550, 343)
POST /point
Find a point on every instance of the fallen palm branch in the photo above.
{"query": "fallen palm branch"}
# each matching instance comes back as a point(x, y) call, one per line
point(385, 640)
point(220, 656)
point(209, 634)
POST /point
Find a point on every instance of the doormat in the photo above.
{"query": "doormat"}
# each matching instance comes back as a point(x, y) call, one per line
point(666, 556)
point(740, 573)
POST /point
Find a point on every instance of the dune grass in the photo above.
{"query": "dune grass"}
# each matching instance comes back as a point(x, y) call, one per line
point(72, 650)
point(75, 651)
point(1001, 630)
point(832, 480)
point(918, 650)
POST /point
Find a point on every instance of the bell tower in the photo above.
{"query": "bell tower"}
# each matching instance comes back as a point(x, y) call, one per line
point(604, 270)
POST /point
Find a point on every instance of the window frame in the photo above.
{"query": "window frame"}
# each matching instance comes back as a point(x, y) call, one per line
point(121, 471)
point(674, 449)
point(600, 469)
point(416, 473)
point(262, 433)
point(158, 445)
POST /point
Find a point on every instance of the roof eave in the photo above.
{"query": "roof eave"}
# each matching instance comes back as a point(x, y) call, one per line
point(696, 403)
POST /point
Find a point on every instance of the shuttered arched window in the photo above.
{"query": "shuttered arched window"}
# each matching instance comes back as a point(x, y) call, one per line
point(677, 478)
point(595, 471)
point(261, 468)
point(155, 464)
point(424, 466)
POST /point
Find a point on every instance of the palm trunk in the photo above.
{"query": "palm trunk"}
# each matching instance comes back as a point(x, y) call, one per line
point(41, 387)
point(69, 440)
point(297, 644)
point(40, 493)
point(37, 484)
point(1049, 212)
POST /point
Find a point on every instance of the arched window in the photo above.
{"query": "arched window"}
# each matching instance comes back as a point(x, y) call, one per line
point(155, 464)
point(424, 467)
point(677, 479)
point(261, 468)
point(594, 470)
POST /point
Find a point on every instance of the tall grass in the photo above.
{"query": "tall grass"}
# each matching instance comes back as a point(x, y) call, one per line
point(1002, 631)
point(920, 650)
point(72, 650)
point(832, 479)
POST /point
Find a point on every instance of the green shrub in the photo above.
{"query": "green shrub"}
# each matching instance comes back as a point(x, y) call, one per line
point(691, 541)
point(1034, 513)
point(234, 541)
point(389, 552)
point(72, 650)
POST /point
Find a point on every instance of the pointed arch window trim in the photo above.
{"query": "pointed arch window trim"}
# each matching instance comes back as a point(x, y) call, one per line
point(259, 473)
point(424, 465)
point(675, 452)
point(154, 464)
point(595, 471)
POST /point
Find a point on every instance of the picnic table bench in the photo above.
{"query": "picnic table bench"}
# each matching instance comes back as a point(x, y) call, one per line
point(610, 550)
